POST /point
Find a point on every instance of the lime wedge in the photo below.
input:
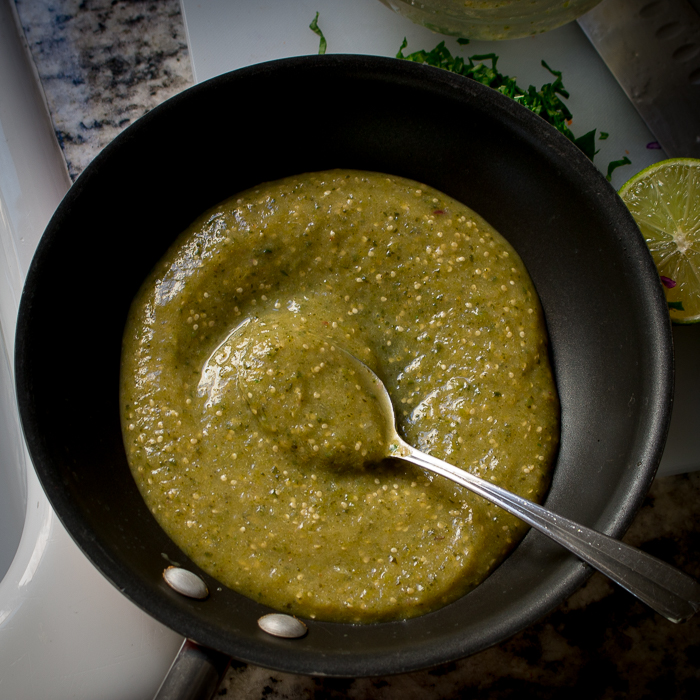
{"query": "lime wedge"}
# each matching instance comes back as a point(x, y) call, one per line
point(664, 200)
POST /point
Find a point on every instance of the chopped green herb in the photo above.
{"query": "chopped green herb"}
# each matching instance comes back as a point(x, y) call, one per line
point(587, 143)
point(322, 45)
point(678, 305)
point(546, 102)
point(613, 165)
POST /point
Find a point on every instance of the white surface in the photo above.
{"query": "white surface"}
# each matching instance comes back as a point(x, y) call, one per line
point(227, 34)
point(65, 632)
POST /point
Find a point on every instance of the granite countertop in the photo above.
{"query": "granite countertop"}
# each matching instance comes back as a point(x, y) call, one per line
point(105, 63)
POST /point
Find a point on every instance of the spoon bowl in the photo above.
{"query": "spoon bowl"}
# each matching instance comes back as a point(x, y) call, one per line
point(288, 377)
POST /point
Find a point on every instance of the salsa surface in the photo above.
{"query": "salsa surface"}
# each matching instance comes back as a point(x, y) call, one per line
point(406, 279)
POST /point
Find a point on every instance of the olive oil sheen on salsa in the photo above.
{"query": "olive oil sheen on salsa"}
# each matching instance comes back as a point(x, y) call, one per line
point(411, 282)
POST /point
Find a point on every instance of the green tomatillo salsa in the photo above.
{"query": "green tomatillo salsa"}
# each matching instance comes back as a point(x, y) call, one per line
point(259, 451)
point(307, 394)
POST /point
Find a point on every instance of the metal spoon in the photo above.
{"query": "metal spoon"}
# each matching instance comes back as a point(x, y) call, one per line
point(662, 587)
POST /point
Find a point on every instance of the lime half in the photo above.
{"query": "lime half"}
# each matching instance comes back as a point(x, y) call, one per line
point(664, 200)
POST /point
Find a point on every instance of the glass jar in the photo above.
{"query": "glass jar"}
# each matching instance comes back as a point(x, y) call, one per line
point(491, 19)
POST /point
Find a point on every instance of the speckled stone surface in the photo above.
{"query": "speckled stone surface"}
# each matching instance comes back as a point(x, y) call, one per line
point(105, 63)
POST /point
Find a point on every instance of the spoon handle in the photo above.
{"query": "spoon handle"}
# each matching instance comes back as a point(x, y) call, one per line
point(662, 587)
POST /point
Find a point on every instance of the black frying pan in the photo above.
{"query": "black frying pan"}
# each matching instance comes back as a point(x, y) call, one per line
point(607, 319)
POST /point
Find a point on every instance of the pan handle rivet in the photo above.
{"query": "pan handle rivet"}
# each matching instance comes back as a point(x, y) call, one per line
point(280, 625)
point(185, 582)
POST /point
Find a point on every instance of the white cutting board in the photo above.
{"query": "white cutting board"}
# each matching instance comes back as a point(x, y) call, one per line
point(227, 34)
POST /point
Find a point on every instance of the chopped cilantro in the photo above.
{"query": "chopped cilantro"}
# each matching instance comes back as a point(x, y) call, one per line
point(546, 102)
point(322, 44)
point(587, 143)
point(678, 305)
point(616, 164)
